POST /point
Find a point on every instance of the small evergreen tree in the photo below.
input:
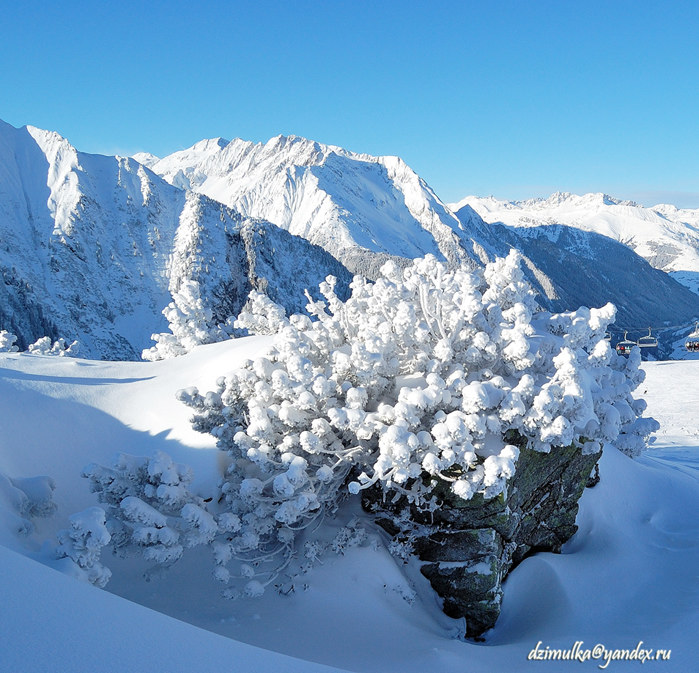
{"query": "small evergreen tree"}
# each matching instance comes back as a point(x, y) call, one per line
point(7, 342)
point(190, 323)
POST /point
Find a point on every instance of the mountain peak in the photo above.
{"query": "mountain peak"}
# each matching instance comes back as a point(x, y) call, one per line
point(335, 198)
point(587, 199)
point(145, 158)
point(210, 144)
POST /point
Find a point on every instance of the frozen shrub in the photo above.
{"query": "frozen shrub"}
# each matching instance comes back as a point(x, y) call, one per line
point(261, 315)
point(150, 508)
point(45, 346)
point(42, 346)
point(39, 495)
point(24, 499)
point(82, 543)
point(418, 378)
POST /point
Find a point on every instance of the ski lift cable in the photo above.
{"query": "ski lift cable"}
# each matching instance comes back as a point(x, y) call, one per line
point(643, 328)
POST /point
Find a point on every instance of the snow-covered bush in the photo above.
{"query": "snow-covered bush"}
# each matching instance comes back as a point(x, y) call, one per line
point(150, 507)
point(25, 498)
point(190, 323)
point(427, 375)
point(44, 346)
point(38, 495)
point(261, 315)
point(420, 376)
point(7, 342)
point(150, 511)
point(82, 543)
point(424, 371)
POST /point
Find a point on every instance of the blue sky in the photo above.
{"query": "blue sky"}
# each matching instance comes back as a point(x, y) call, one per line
point(514, 99)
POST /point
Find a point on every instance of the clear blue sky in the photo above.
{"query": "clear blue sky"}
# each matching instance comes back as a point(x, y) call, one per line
point(514, 99)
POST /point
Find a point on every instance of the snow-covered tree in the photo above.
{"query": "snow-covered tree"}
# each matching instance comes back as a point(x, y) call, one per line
point(82, 543)
point(190, 322)
point(427, 376)
point(261, 315)
point(44, 346)
point(7, 342)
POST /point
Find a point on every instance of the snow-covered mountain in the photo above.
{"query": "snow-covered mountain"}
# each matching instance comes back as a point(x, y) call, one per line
point(664, 235)
point(570, 267)
point(357, 207)
point(92, 247)
point(351, 204)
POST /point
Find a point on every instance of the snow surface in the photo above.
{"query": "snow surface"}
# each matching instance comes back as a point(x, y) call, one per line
point(628, 575)
point(50, 622)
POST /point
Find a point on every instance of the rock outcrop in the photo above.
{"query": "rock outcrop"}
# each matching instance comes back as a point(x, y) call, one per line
point(467, 547)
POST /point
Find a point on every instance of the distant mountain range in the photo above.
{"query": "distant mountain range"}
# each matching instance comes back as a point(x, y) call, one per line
point(664, 235)
point(92, 247)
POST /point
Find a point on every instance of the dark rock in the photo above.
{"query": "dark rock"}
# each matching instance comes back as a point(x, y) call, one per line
point(469, 546)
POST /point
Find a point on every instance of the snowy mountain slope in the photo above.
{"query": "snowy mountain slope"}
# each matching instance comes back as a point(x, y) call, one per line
point(664, 235)
point(572, 267)
point(93, 246)
point(229, 255)
point(342, 201)
point(86, 235)
point(628, 575)
point(108, 634)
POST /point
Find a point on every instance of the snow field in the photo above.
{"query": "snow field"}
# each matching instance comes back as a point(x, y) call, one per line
point(629, 574)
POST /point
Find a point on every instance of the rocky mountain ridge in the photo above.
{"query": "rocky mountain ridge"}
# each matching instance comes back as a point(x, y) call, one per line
point(93, 247)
